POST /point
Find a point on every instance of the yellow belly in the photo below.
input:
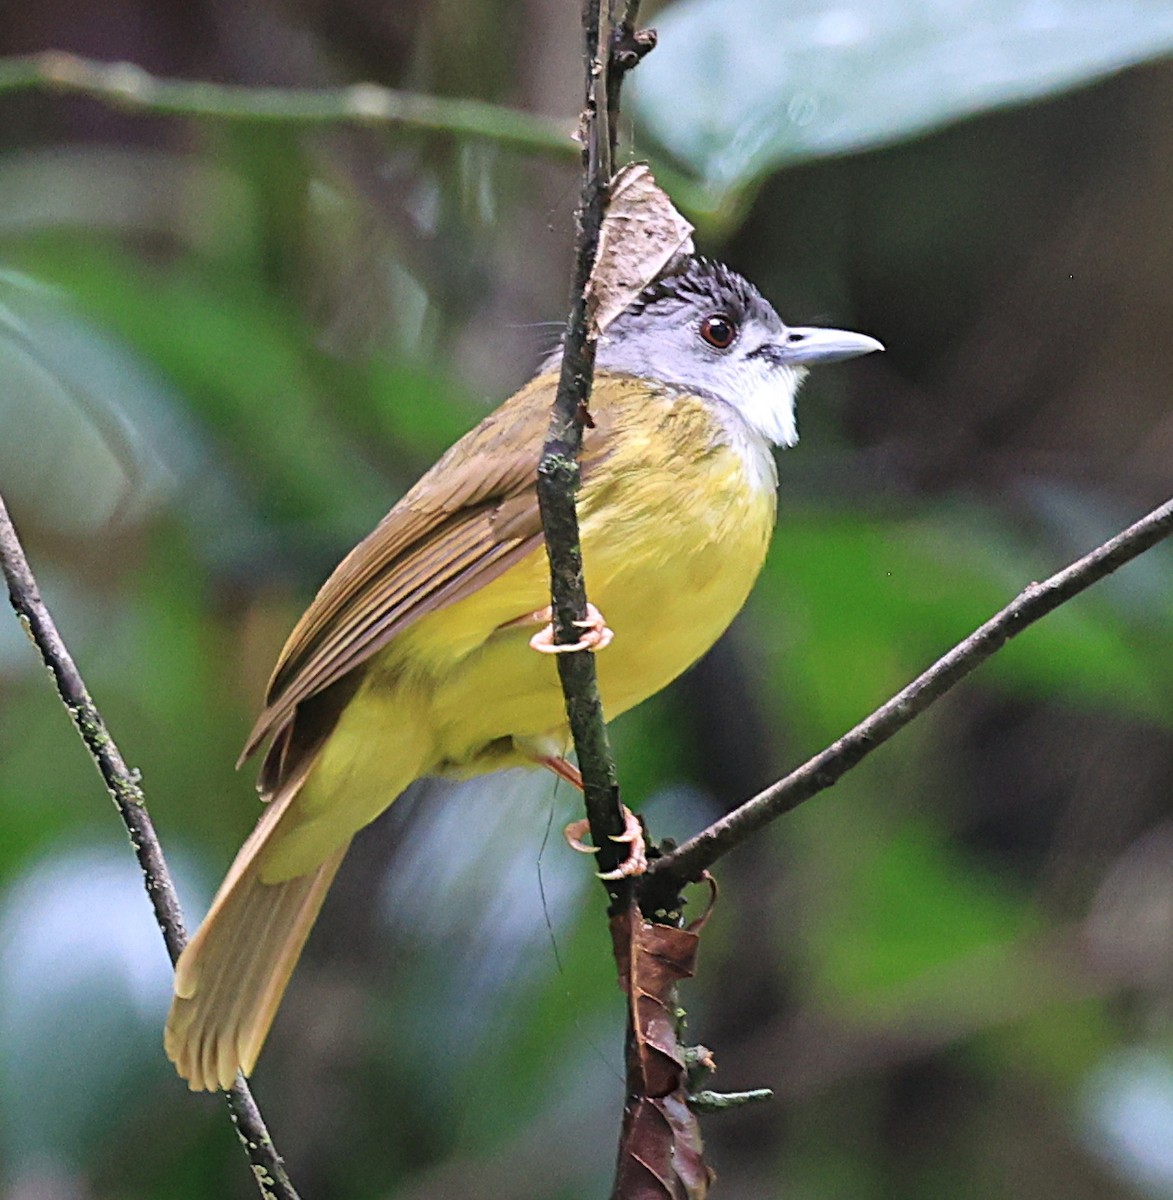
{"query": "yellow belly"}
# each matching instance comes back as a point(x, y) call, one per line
point(671, 548)
point(674, 527)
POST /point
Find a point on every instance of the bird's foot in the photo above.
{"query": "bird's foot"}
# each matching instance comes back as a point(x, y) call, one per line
point(595, 633)
point(636, 862)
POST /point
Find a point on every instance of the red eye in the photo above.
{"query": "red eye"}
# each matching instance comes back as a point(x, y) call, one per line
point(719, 331)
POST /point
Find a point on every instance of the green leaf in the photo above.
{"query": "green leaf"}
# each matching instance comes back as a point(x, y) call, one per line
point(861, 606)
point(238, 359)
point(903, 909)
point(75, 406)
point(740, 87)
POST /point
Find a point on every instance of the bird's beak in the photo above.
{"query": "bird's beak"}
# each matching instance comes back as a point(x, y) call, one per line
point(802, 347)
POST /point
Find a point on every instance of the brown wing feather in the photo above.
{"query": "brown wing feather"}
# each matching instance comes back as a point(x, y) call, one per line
point(469, 519)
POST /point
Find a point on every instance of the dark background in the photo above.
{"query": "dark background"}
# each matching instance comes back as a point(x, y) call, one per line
point(228, 346)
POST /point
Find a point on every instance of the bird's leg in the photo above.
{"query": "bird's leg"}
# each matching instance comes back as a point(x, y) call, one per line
point(636, 862)
point(595, 633)
point(561, 768)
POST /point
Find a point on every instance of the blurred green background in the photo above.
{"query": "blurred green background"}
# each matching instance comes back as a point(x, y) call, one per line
point(227, 346)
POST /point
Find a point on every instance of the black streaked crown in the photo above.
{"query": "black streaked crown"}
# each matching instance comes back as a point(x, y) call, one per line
point(701, 282)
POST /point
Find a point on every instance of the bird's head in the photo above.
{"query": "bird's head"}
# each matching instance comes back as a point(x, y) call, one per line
point(707, 330)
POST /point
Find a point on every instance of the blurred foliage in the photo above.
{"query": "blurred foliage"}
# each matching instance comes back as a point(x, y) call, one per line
point(832, 77)
point(228, 347)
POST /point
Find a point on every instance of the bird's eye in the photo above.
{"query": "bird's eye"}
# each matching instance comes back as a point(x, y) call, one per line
point(719, 331)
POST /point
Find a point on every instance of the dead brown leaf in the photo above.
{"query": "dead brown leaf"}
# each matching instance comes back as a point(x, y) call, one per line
point(641, 234)
point(661, 1155)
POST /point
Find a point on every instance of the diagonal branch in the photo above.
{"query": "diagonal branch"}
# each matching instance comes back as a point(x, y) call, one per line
point(130, 87)
point(817, 774)
point(128, 798)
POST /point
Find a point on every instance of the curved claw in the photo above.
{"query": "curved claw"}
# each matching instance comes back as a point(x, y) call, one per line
point(575, 832)
point(636, 862)
point(596, 634)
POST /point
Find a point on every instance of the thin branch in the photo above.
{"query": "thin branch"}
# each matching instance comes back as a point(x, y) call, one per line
point(558, 471)
point(628, 47)
point(122, 783)
point(128, 86)
point(825, 769)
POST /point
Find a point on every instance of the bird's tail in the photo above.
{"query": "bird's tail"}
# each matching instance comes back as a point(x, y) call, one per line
point(230, 978)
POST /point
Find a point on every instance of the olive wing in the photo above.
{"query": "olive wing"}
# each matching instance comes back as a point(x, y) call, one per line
point(469, 519)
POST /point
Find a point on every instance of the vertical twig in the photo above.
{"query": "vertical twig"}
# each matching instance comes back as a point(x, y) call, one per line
point(558, 471)
point(610, 52)
point(122, 783)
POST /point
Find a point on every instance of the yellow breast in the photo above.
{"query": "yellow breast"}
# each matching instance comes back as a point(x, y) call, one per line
point(675, 519)
point(675, 523)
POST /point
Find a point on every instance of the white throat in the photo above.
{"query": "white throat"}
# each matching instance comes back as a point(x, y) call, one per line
point(763, 395)
point(757, 411)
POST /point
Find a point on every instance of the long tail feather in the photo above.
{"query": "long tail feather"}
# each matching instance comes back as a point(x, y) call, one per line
point(232, 975)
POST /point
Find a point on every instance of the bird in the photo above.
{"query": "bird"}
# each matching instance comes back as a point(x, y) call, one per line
point(428, 651)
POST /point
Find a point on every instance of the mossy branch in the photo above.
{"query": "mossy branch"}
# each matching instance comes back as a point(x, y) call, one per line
point(608, 55)
point(123, 785)
point(127, 86)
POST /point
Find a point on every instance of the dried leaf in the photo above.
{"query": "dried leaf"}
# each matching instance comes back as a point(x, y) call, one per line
point(688, 1151)
point(641, 234)
point(661, 1155)
point(661, 957)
